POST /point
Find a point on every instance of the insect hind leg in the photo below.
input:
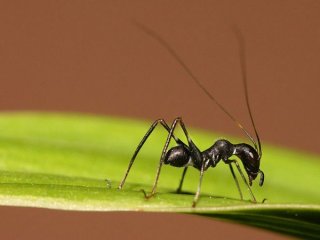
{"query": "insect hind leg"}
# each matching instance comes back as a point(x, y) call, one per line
point(176, 121)
point(179, 189)
point(142, 142)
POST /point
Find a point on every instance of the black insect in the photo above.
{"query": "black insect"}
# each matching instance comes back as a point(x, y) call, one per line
point(185, 155)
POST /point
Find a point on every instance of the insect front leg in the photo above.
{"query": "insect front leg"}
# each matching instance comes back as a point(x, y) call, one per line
point(144, 139)
point(243, 177)
point(236, 180)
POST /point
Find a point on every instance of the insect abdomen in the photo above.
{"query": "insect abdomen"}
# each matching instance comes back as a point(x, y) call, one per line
point(177, 156)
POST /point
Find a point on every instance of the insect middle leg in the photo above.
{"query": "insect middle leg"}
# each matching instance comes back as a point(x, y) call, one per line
point(196, 196)
point(144, 139)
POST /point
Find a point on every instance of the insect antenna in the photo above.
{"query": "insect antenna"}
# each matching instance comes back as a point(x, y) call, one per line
point(173, 53)
point(243, 63)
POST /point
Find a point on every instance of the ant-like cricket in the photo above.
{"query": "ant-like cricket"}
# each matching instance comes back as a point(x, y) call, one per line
point(185, 155)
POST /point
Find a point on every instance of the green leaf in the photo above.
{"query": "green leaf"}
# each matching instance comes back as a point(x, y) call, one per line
point(62, 161)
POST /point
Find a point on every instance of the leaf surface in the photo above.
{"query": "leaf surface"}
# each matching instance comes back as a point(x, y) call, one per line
point(62, 161)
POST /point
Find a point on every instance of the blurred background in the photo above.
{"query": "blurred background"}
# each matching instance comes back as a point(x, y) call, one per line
point(88, 57)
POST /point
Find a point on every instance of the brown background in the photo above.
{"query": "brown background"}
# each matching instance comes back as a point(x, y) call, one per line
point(86, 56)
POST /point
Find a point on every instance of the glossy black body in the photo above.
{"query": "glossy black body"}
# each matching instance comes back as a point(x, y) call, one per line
point(183, 156)
point(186, 155)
